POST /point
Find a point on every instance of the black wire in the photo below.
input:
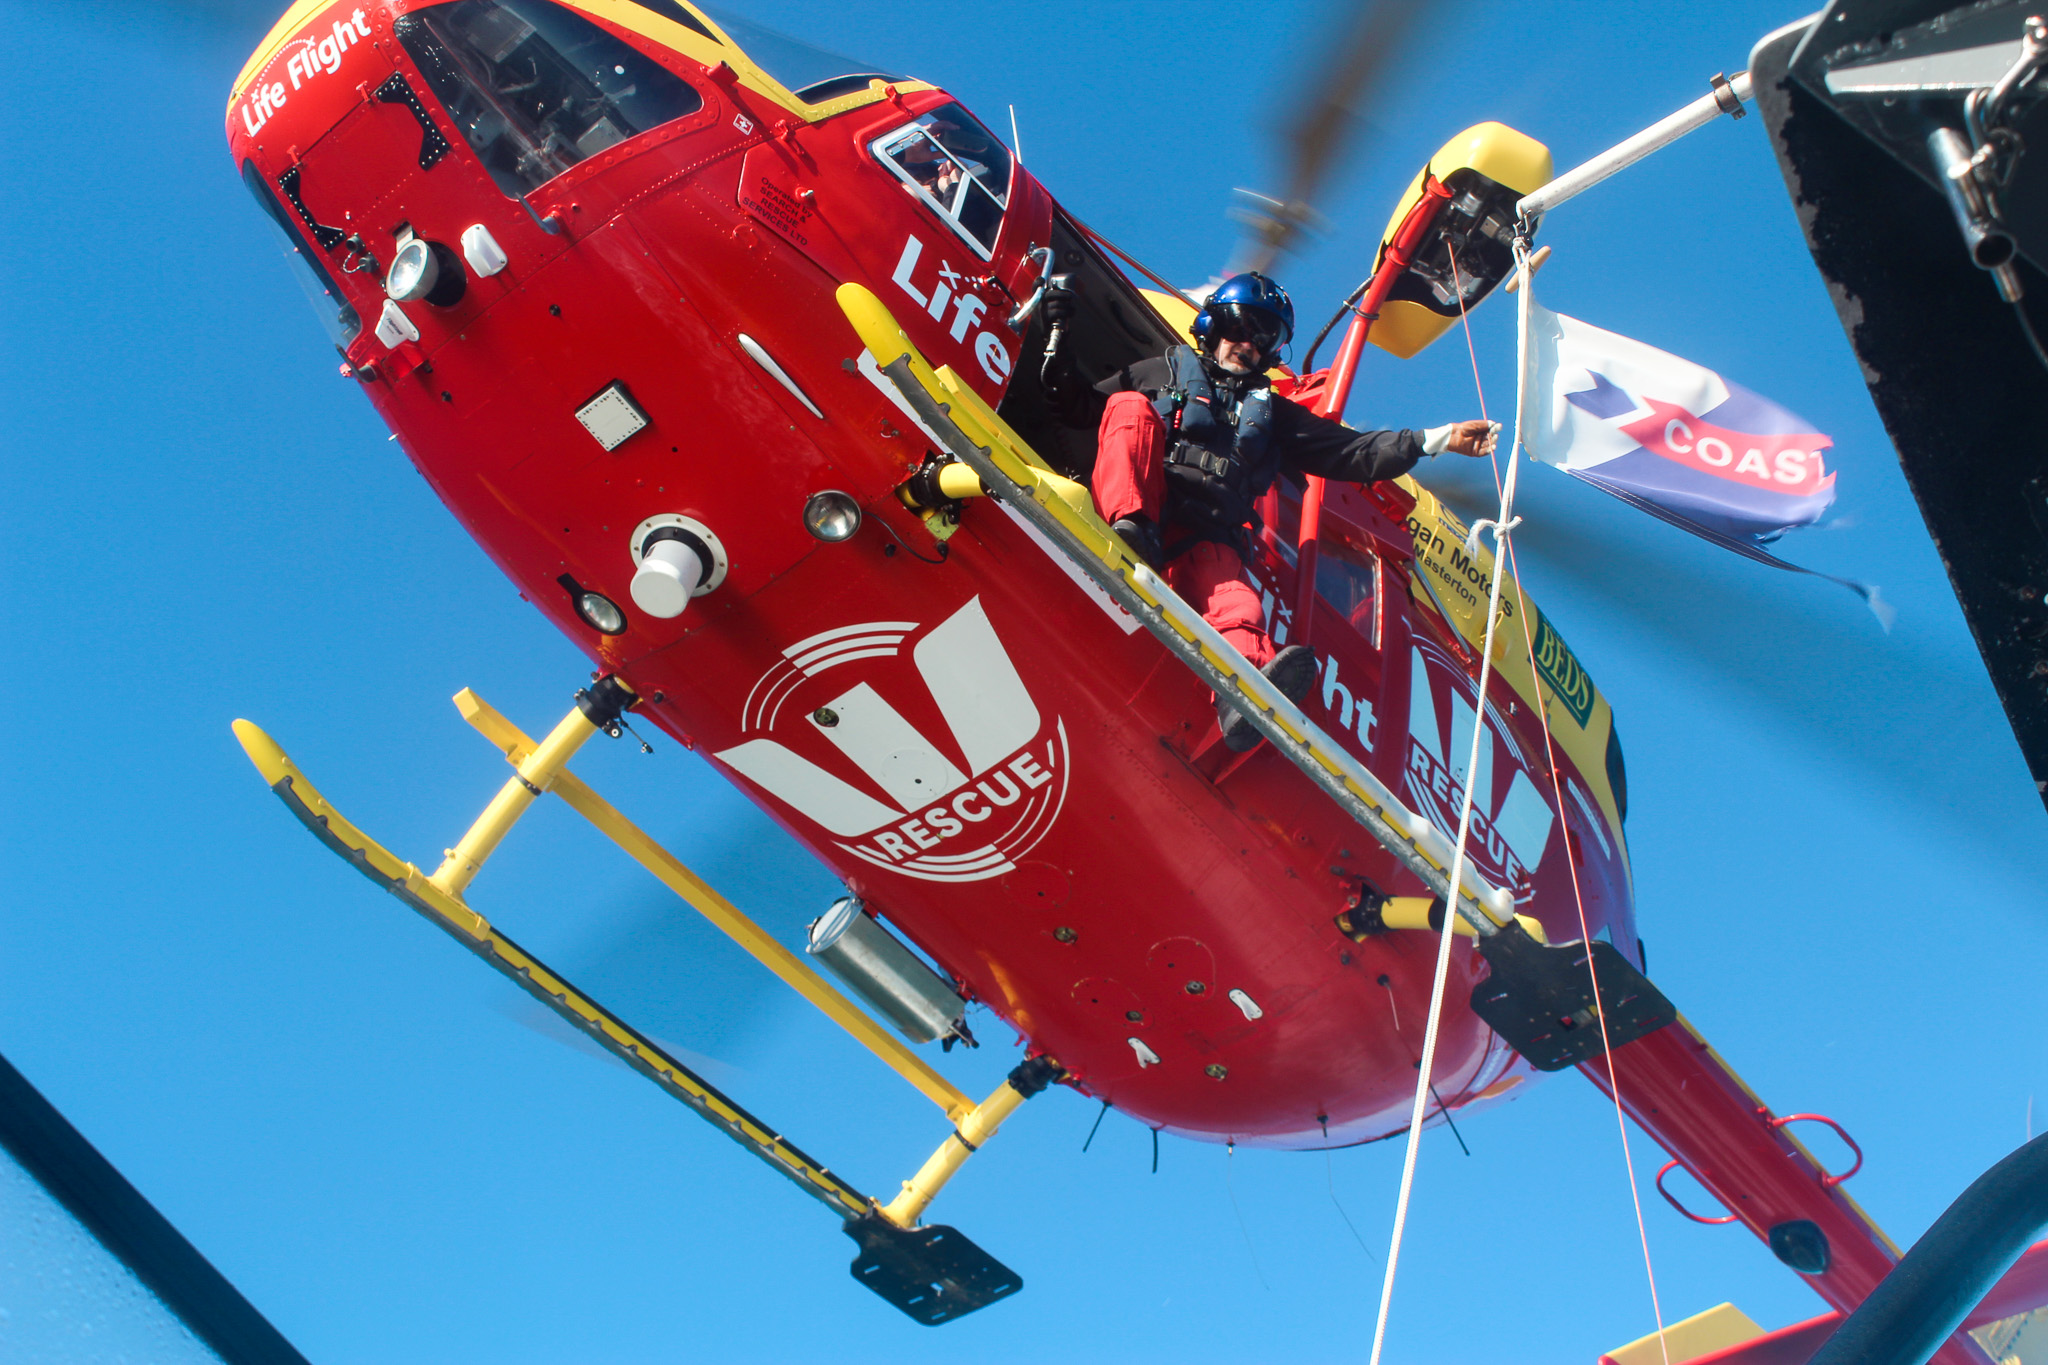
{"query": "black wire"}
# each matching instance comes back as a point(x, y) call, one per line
point(1308, 362)
point(1443, 1110)
point(1097, 1124)
point(1230, 1188)
point(1155, 1151)
point(943, 551)
point(1330, 1179)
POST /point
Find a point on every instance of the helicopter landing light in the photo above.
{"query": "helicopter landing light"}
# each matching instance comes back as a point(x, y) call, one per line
point(611, 417)
point(393, 326)
point(482, 251)
point(413, 272)
point(600, 613)
point(831, 515)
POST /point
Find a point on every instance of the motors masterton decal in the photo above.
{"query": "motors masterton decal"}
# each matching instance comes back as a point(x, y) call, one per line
point(961, 808)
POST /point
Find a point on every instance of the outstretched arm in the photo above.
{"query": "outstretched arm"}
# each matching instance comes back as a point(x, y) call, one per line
point(1320, 445)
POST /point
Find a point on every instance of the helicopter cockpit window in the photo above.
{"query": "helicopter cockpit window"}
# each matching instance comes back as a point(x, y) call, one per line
point(307, 267)
point(810, 73)
point(536, 89)
point(956, 167)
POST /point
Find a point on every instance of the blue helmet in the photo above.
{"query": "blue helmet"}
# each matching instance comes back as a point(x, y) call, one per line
point(1251, 308)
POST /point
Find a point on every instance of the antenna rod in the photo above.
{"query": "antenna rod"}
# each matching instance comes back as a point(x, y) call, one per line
point(1727, 97)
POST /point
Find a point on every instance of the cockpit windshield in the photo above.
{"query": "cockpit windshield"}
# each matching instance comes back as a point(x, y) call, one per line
point(957, 166)
point(536, 88)
point(307, 267)
point(810, 73)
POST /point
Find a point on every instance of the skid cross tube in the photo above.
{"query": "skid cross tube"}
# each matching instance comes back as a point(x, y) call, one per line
point(595, 710)
point(974, 1130)
point(1419, 845)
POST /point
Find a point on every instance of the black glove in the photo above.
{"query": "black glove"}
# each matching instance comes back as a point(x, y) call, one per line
point(1058, 306)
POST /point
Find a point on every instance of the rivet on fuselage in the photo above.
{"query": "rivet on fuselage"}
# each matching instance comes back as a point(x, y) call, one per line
point(1216, 1071)
point(1064, 934)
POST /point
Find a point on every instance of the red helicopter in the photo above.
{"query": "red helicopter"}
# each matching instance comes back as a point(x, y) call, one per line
point(729, 353)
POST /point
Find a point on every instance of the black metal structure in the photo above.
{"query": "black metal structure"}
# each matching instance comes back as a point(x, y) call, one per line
point(933, 1273)
point(1540, 999)
point(84, 1182)
point(1950, 1269)
point(1851, 102)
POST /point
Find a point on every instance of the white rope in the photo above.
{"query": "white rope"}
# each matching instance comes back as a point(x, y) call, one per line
point(1499, 530)
point(1502, 525)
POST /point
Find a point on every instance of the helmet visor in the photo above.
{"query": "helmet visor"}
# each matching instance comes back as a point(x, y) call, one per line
point(1235, 322)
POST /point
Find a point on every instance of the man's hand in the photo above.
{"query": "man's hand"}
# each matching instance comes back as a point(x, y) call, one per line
point(1059, 304)
point(1475, 437)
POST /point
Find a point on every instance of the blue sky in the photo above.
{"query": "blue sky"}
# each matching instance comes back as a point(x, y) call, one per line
point(1840, 858)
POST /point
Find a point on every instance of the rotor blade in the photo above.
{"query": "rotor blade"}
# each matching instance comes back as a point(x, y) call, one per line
point(529, 1015)
point(1316, 139)
point(1748, 633)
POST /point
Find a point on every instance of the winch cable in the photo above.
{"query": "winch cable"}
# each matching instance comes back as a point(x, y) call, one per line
point(1503, 528)
point(1330, 1180)
point(1556, 781)
point(1230, 1188)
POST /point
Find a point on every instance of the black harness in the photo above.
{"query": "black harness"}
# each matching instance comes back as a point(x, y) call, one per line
point(1219, 457)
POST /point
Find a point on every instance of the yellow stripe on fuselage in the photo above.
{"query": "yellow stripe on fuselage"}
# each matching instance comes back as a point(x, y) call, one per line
point(627, 15)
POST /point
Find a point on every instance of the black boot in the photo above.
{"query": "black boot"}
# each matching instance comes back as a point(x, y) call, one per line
point(1292, 671)
point(1141, 533)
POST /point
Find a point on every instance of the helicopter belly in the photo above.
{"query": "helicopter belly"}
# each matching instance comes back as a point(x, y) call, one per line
point(1003, 773)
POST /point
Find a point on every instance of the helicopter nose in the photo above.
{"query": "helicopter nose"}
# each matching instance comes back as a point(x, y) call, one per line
point(669, 572)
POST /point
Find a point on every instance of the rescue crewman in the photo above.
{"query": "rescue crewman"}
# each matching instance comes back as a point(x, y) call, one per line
point(1189, 441)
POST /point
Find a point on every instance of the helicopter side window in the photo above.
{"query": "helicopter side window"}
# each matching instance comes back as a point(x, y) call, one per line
point(536, 89)
point(1344, 577)
point(1344, 560)
point(950, 161)
point(308, 268)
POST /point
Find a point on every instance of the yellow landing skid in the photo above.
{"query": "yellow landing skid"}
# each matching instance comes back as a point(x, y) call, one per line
point(1064, 512)
point(933, 1274)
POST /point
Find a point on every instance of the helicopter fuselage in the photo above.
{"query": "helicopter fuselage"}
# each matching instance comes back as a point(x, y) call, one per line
point(635, 234)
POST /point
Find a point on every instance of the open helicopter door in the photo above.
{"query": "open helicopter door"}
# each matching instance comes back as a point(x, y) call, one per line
point(932, 1273)
point(1537, 997)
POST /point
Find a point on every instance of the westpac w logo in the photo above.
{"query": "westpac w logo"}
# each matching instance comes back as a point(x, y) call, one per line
point(923, 814)
point(1509, 831)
